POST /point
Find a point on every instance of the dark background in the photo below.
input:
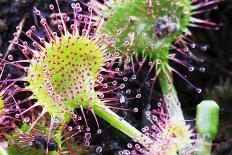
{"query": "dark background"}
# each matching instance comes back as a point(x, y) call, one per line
point(216, 81)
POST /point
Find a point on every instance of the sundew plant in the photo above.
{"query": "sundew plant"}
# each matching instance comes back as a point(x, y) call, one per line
point(76, 70)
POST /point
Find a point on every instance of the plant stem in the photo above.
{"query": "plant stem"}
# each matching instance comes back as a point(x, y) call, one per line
point(170, 98)
point(119, 123)
point(203, 146)
point(169, 92)
point(2, 151)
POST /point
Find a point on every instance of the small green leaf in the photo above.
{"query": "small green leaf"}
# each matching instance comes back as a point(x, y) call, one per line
point(207, 119)
point(27, 150)
point(25, 128)
point(58, 138)
point(14, 150)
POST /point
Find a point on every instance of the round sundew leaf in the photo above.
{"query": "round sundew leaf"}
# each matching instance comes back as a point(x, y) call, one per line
point(151, 26)
point(63, 75)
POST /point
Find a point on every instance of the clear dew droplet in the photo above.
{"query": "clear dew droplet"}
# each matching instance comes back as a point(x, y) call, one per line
point(99, 149)
point(105, 85)
point(147, 134)
point(114, 83)
point(191, 69)
point(122, 99)
point(137, 146)
point(79, 9)
point(202, 69)
point(87, 143)
point(138, 96)
point(129, 145)
point(125, 79)
point(133, 77)
point(51, 6)
point(204, 48)
point(79, 118)
point(99, 131)
point(133, 152)
point(142, 151)
point(78, 127)
point(134, 140)
point(68, 18)
point(186, 49)
point(30, 143)
point(74, 116)
point(120, 118)
point(26, 119)
point(87, 136)
point(70, 128)
point(10, 57)
point(87, 129)
point(143, 130)
point(154, 118)
point(126, 152)
point(17, 115)
point(122, 86)
point(147, 128)
point(193, 45)
point(128, 91)
point(135, 110)
point(198, 90)
point(73, 5)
